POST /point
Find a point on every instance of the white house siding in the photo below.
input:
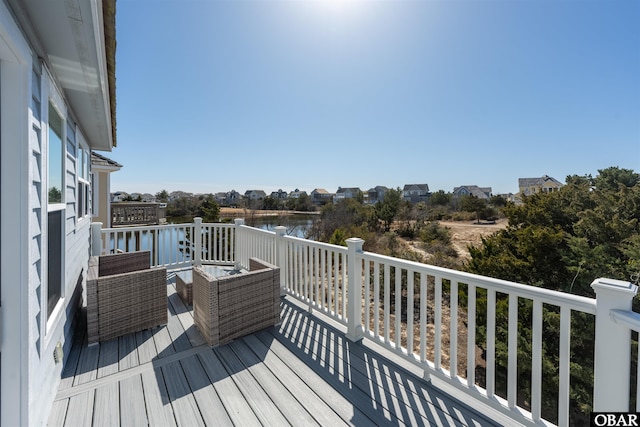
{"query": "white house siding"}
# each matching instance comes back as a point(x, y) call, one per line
point(35, 206)
point(29, 374)
point(15, 243)
point(70, 177)
point(60, 325)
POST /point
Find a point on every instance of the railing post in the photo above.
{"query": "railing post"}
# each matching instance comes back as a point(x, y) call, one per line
point(612, 346)
point(239, 251)
point(96, 238)
point(281, 255)
point(355, 331)
point(196, 254)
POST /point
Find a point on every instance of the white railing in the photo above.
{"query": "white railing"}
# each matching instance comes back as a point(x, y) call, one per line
point(218, 243)
point(254, 242)
point(404, 310)
point(630, 320)
point(312, 272)
point(614, 322)
point(377, 296)
point(315, 273)
point(135, 214)
point(415, 310)
point(171, 246)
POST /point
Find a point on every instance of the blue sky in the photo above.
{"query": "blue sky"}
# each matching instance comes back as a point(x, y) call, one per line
point(221, 95)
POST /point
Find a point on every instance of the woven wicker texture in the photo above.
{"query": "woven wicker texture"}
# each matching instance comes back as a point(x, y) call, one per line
point(125, 302)
point(123, 263)
point(228, 307)
point(185, 288)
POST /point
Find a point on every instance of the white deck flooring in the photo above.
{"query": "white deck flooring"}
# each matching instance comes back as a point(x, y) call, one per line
point(301, 373)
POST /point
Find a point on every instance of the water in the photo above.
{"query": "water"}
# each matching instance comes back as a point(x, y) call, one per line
point(297, 225)
point(173, 247)
point(173, 243)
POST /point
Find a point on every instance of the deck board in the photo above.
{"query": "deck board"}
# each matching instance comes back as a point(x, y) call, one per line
point(132, 406)
point(109, 359)
point(157, 400)
point(107, 411)
point(58, 412)
point(319, 409)
point(146, 346)
point(382, 382)
point(185, 316)
point(71, 361)
point(184, 404)
point(162, 340)
point(290, 405)
point(128, 352)
point(354, 408)
point(86, 370)
point(388, 384)
point(177, 333)
point(80, 410)
point(262, 405)
point(304, 372)
point(234, 402)
point(211, 407)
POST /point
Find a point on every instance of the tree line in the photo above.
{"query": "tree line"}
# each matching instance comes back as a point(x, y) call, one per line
point(561, 240)
point(384, 224)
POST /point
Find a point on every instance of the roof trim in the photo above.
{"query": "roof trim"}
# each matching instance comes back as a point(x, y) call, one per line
point(99, 161)
point(76, 41)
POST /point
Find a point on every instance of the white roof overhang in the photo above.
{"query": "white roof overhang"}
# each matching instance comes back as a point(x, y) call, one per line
point(69, 36)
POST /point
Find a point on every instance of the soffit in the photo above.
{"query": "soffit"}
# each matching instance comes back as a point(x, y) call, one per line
point(71, 34)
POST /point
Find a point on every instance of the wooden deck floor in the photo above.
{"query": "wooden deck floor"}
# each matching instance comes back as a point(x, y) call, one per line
point(302, 373)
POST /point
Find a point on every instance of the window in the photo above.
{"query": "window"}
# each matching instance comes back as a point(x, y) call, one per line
point(55, 208)
point(83, 182)
point(56, 157)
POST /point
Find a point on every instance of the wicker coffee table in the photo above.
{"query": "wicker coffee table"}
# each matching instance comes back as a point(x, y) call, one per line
point(184, 280)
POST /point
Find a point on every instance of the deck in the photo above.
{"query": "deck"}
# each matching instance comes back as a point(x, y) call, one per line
point(303, 372)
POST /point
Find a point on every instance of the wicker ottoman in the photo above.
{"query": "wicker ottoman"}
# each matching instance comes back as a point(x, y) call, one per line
point(184, 280)
point(230, 306)
point(184, 286)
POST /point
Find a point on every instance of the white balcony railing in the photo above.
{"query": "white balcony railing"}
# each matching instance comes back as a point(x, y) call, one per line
point(136, 213)
point(172, 245)
point(401, 305)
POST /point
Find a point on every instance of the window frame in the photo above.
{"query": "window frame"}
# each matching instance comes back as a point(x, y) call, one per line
point(83, 174)
point(55, 211)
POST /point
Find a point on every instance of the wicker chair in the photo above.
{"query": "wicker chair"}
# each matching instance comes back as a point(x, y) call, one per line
point(124, 295)
point(228, 307)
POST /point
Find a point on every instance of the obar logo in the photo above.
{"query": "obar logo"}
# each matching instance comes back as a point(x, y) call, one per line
point(607, 419)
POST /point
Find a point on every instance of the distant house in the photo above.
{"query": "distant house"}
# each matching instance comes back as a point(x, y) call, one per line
point(544, 184)
point(255, 194)
point(119, 196)
point(220, 197)
point(415, 193)
point(483, 193)
point(295, 194)
point(509, 197)
point(376, 194)
point(320, 196)
point(279, 195)
point(148, 198)
point(175, 195)
point(232, 198)
point(346, 193)
point(101, 168)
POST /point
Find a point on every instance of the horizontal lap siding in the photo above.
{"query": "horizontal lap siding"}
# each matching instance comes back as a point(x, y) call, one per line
point(35, 215)
point(71, 178)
